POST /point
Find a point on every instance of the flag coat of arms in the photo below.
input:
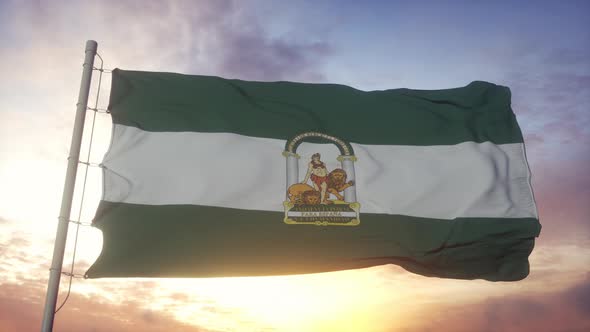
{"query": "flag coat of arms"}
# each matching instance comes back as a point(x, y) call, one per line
point(213, 177)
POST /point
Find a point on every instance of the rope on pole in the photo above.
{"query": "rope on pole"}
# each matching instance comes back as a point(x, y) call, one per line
point(87, 163)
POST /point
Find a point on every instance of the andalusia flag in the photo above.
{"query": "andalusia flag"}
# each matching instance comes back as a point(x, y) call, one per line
point(209, 177)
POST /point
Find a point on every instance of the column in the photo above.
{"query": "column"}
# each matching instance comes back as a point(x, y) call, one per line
point(348, 166)
point(292, 168)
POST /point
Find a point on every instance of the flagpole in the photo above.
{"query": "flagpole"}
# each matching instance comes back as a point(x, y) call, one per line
point(68, 193)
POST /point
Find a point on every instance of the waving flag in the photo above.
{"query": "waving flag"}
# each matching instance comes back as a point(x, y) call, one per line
point(209, 177)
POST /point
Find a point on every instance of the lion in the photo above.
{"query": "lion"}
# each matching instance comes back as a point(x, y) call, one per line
point(311, 197)
point(295, 192)
point(337, 182)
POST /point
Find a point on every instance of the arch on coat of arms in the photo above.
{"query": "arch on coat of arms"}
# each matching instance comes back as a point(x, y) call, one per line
point(344, 147)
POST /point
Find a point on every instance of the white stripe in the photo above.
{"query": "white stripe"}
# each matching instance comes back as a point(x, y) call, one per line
point(228, 170)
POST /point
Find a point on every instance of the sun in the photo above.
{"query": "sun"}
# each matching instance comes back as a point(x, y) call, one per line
point(335, 301)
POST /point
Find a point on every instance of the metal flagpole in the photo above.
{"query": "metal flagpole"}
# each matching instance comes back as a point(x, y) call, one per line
point(68, 193)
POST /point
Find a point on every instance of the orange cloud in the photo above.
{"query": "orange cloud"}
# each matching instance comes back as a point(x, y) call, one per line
point(21, 310)
point(567, 310)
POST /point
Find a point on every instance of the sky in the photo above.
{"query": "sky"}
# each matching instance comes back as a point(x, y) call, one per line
point(540, 49)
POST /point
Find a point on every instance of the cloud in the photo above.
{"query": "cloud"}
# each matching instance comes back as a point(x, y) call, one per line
point(250, 55)
point(566, 310)
point(570, 56)
point(551, 95)
point(225, 38)
point(21, 310)
point(18, 240)
point(579, 297)
point(562, 190)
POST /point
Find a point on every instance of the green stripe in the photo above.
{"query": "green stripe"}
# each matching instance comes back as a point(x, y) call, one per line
point(200, 241)
point(478, 112)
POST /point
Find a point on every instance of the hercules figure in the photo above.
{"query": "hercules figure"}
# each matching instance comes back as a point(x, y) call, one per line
point(318, 173)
